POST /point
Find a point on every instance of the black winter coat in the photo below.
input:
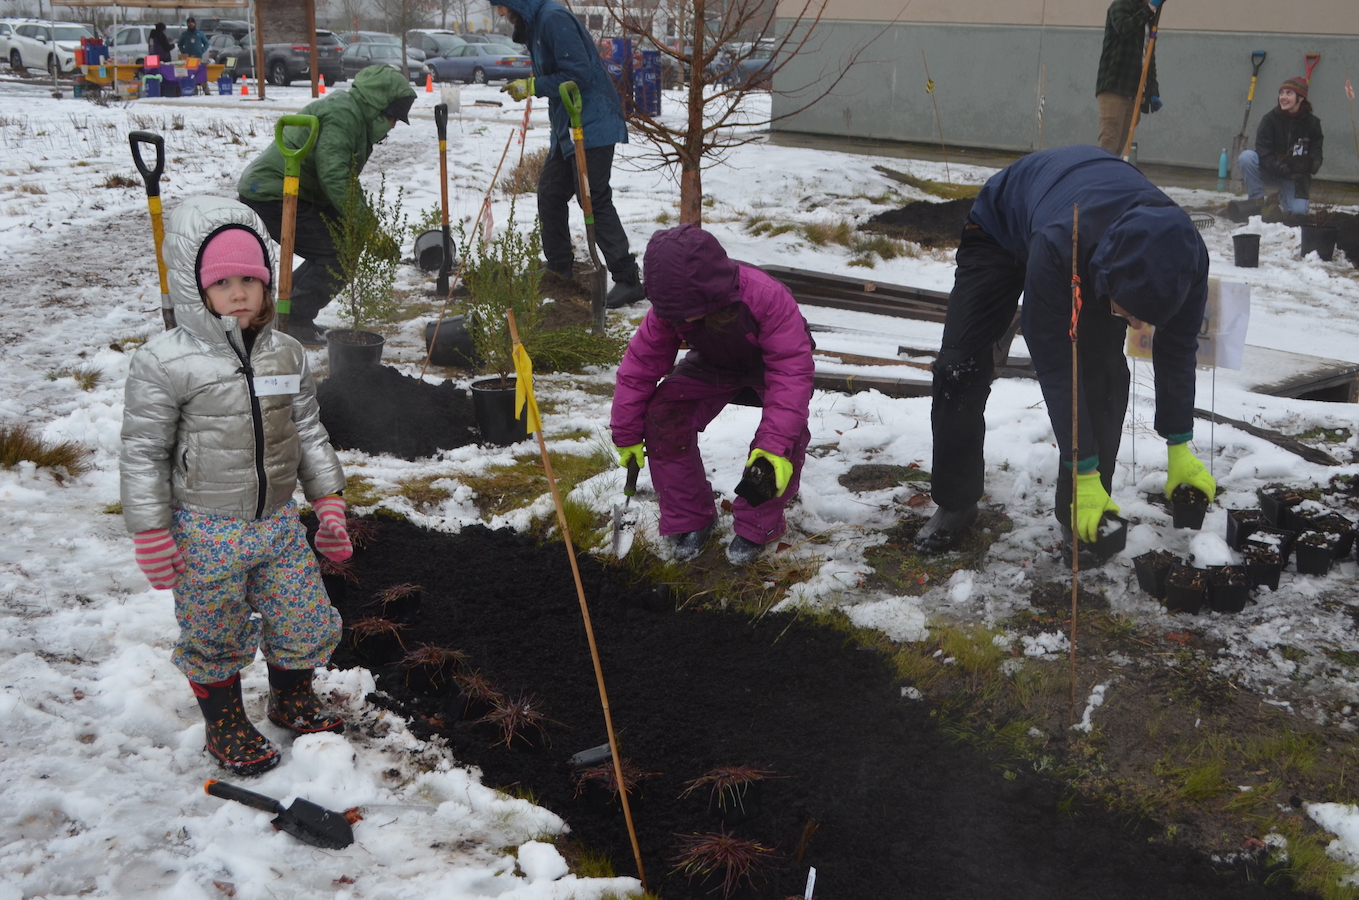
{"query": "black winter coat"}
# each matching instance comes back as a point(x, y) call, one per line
point(1290, 147)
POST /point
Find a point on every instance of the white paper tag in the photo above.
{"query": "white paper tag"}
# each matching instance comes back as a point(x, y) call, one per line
point(270, 385)
point(811, 883)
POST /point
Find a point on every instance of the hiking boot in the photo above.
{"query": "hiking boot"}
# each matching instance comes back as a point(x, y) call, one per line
point(1240, 211)
point(945, 529)
point(742, 551)
point(294, 705)
point(308, 334)
point(690, 543)
point(627, 289)
point(231, 738)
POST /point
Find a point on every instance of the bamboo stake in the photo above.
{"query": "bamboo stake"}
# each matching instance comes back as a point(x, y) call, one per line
point(457, 273)
point(929, 89)
point(1142, 84)
point(1349, 92)
point(1075, 452)
point(1042, 99)
point(589, 633)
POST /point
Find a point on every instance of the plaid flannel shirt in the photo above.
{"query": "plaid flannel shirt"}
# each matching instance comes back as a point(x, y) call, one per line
point(1120, 63)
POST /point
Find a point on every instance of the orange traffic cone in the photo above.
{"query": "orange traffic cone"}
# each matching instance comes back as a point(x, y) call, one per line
point(323, 84)
point(429, 82)
point(245, 89)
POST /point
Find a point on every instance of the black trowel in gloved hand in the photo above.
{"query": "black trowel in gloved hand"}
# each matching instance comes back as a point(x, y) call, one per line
point(624, 518)
point(304, 820)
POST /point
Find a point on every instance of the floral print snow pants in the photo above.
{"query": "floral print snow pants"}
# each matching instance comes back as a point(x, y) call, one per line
point(249, 584)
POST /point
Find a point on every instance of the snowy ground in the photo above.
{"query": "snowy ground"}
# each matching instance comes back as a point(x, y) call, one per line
point(101, 756)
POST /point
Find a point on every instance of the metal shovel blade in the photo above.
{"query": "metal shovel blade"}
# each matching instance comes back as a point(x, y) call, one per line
point(624, 517)
point(304, 820)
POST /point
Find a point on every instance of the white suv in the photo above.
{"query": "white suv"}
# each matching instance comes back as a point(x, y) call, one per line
point(130, 43)
point(46, 45)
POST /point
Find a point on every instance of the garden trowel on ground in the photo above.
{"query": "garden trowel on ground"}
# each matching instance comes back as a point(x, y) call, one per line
point(304, 820)
point(624, 517)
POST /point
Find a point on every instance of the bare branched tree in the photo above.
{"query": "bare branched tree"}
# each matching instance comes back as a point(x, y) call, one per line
point(461, 11)
point(400, 16)
point(723, 50)
point(351, 13)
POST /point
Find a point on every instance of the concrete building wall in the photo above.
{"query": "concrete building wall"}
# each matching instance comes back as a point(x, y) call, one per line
point(987, 75)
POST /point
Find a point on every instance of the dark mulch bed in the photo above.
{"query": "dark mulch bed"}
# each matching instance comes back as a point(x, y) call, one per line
point(892, 808)
point(379, 410)
point(928, 224)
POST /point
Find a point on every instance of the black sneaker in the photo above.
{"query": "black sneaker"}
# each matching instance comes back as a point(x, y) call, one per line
point(945, 529)
point(690, 543)
point(308, 334)
point(742, 551)
point(625, 292)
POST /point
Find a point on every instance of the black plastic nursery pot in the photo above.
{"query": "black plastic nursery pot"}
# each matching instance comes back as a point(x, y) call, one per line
point(1246, 250)
point(1112, 538)
point(1186, 588)
point(1152, 568)
point(1263, 564)
point(1188, 506)
point(452, 345)
point(353, 351)
point(1228, 588)
point(1281, 539)
point(1276, 501)
point(1241, 523)
point(429, 250)
point(1313, 553)
point(1337, 527)
point(494, 408)
point(1322, 240)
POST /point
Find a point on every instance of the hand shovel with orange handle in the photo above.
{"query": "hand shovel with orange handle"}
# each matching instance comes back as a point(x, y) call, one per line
point(292, 179)
point(570, 94)
point(152, 178)
point(304, 820)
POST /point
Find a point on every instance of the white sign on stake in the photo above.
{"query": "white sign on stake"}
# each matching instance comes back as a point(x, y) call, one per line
point(1222, 335)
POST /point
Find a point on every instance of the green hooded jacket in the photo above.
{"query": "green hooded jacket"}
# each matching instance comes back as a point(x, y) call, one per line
point(351, 123)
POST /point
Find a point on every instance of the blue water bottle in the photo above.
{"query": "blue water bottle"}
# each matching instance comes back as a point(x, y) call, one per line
point(1222, 170)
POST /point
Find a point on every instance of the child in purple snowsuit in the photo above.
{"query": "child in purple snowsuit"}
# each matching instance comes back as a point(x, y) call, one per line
point(744, 333)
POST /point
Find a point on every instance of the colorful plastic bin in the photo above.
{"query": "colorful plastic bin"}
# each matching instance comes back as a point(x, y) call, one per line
point(151, 85)
point(224, 85)
point(186, 86)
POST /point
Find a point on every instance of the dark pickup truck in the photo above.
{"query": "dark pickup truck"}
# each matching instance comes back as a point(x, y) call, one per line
point(283, 62)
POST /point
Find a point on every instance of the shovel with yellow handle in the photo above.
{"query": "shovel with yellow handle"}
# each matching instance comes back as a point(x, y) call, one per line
point(292, 179)
point(152, 178)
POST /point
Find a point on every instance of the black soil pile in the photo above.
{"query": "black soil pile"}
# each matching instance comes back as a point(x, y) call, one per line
point(928, 224)
point(379, 410)
point(867, 790)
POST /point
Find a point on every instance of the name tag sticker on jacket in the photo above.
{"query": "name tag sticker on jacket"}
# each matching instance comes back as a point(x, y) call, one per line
point(269, 385)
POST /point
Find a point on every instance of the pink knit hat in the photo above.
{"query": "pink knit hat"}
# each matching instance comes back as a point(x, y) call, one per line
point(233, 251)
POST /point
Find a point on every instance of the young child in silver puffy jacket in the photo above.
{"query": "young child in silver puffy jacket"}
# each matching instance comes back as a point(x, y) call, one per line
point(219, 427)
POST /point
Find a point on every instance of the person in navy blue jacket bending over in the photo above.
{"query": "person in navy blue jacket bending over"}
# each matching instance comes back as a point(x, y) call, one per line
point(1140, 259)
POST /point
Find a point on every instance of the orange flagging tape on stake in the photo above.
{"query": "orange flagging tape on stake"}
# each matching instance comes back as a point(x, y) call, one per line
point(429, 83)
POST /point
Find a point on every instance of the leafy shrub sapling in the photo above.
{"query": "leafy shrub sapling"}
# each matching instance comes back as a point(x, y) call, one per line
point(375, 627)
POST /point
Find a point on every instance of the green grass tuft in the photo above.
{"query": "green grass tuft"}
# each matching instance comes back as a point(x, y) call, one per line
point(18, 443)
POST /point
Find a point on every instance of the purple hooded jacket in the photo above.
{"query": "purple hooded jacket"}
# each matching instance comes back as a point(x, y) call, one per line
point(758, 339)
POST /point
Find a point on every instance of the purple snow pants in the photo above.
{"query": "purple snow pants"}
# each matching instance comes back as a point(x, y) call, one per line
point(678, 411)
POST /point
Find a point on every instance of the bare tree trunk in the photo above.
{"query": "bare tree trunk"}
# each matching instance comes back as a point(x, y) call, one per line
point(691, 157)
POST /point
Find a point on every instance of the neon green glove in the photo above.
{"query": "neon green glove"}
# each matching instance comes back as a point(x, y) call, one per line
point(520, 90)
point(634, 452)
point(1183, 467)
point(783, 469)
point(1092, 502)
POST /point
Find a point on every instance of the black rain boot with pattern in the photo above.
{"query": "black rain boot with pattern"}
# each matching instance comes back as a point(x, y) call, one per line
point(295, 706)
point(231, 738)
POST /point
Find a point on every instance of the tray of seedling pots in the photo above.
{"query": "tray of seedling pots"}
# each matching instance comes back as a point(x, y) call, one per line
point(1186, 588)
point(1277, 501)
point(1241, 523)
point(1262, 563)
point(1228, 588)
point(1187, 507)
point(1152, 568)
point(1313, 552)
